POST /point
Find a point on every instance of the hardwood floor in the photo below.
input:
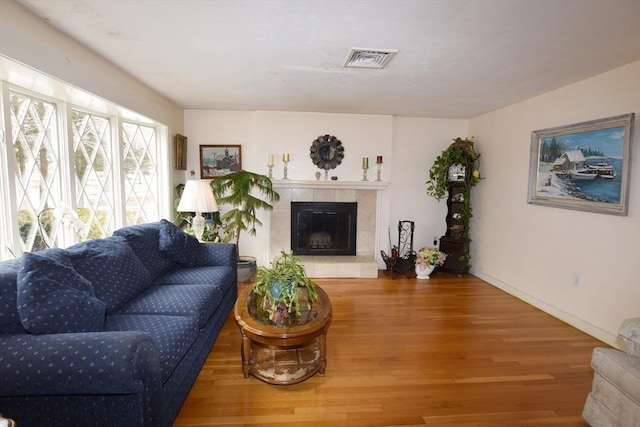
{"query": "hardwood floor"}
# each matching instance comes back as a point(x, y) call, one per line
point(447, 351)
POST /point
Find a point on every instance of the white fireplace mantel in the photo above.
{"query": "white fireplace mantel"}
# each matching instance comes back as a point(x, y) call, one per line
point(366, 193)
point(336, 185)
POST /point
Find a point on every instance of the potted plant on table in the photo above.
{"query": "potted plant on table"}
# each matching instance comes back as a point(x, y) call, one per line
point(284, 293)
point(427, 259)
point(241, 191)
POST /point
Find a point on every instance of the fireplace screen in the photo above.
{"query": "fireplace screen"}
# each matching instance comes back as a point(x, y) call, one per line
point(323, 228)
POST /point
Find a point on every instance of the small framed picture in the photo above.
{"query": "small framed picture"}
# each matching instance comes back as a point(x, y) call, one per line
point(181, 152)
point(219, 160)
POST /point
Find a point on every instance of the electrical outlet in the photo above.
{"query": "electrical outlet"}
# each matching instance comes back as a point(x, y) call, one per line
point(576, 279)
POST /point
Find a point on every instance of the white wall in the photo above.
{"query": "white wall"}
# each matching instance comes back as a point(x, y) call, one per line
point(262, 133)
point(408, 147)
point(535, 252)
point(416, 144)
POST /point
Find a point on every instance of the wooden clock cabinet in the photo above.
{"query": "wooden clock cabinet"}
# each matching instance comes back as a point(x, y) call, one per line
point(455, 243)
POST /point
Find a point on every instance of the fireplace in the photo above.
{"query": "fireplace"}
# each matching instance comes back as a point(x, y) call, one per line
point(323, 228)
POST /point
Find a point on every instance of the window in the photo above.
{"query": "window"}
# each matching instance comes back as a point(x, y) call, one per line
point(73, 174)
point(37, 169)
point(93, 170)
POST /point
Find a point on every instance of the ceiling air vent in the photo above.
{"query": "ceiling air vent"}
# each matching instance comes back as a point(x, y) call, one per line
point(369, 58)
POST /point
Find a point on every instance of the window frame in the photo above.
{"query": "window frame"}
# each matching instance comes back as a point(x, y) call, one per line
point(10, 244)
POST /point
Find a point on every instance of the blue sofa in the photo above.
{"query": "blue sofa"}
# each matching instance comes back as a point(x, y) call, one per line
point(111, 332)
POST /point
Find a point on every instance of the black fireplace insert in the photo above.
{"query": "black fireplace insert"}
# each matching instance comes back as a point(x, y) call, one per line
point(323, 228)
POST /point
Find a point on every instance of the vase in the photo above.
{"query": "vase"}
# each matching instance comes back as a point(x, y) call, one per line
point(246, 268)
point(424, 272)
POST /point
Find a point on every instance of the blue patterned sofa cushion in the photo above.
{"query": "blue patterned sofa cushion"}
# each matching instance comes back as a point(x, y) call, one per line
point(197, 301)
point(9, 317)
point(197, 275)
point(144, 239)
point(178, 245)
point(114, 270)
point(172, 335)
point(53, 298)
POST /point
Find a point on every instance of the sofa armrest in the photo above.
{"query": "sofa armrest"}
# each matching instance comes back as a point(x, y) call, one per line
point(214, 254)
point(630, 334)
point(78, 363)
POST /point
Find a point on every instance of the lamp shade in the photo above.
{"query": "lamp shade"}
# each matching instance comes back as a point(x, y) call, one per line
point(197, 196)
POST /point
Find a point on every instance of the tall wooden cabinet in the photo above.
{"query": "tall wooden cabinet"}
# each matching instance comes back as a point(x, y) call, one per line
point(452, 175)
point(455, 242)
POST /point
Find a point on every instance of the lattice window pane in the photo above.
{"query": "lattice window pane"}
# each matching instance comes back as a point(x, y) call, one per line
point(140, 156)
point(93, 164)
point(37, 180)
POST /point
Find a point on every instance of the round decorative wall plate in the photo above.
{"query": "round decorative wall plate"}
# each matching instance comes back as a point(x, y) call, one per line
point(326, 152)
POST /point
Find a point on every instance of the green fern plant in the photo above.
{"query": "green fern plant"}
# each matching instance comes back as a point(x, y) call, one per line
point(241, 191)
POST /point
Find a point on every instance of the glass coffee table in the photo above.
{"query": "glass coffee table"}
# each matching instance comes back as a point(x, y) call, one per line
point(283, 355)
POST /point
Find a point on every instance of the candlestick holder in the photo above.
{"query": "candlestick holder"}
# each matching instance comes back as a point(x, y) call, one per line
point(379, 166)
point(270, 171)
point(364, 174)
point(285, 169)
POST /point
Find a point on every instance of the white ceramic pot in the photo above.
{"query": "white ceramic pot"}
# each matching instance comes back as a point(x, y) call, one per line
point(424, 272)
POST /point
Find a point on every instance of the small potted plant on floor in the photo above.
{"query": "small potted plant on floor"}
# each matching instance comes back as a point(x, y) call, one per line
point(427, 259)
point(284, 294)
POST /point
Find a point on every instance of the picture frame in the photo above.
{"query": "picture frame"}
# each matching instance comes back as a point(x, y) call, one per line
point(219, 160)
point(583, 166)
point(180, 153)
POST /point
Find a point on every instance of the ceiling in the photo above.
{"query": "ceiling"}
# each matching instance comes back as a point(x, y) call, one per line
point(456, 58)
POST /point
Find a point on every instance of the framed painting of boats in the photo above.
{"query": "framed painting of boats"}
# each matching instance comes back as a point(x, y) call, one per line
point(584, 166)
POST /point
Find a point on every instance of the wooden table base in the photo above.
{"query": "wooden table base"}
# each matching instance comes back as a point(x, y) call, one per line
point(283, 355)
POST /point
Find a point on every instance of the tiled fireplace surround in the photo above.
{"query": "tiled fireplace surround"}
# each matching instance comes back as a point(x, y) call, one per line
point(363, 264)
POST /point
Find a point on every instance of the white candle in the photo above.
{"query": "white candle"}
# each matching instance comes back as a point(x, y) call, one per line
point(285, 157)
point(365, 163)
point(270, 161)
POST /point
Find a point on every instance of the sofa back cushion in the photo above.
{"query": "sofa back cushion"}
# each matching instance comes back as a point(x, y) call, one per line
point(9, 317)
point(144, 239)
point(114, 270)
point(54, 298)
point(178, 245)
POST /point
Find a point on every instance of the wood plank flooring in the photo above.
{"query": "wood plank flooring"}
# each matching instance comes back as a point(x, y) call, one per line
point(447, 351)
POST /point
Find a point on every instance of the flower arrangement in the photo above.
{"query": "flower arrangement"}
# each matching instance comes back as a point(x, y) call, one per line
point(430, 256)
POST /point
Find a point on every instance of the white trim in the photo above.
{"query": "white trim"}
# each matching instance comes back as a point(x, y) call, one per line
point(336, 185)
point(569, 318)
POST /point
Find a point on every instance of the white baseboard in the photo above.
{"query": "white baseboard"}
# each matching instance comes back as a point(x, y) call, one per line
point(568, 318)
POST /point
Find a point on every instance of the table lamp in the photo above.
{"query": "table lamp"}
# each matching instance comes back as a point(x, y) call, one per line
point(197, 197)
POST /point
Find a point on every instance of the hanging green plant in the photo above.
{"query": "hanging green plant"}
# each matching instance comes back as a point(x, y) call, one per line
point(461, 152)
